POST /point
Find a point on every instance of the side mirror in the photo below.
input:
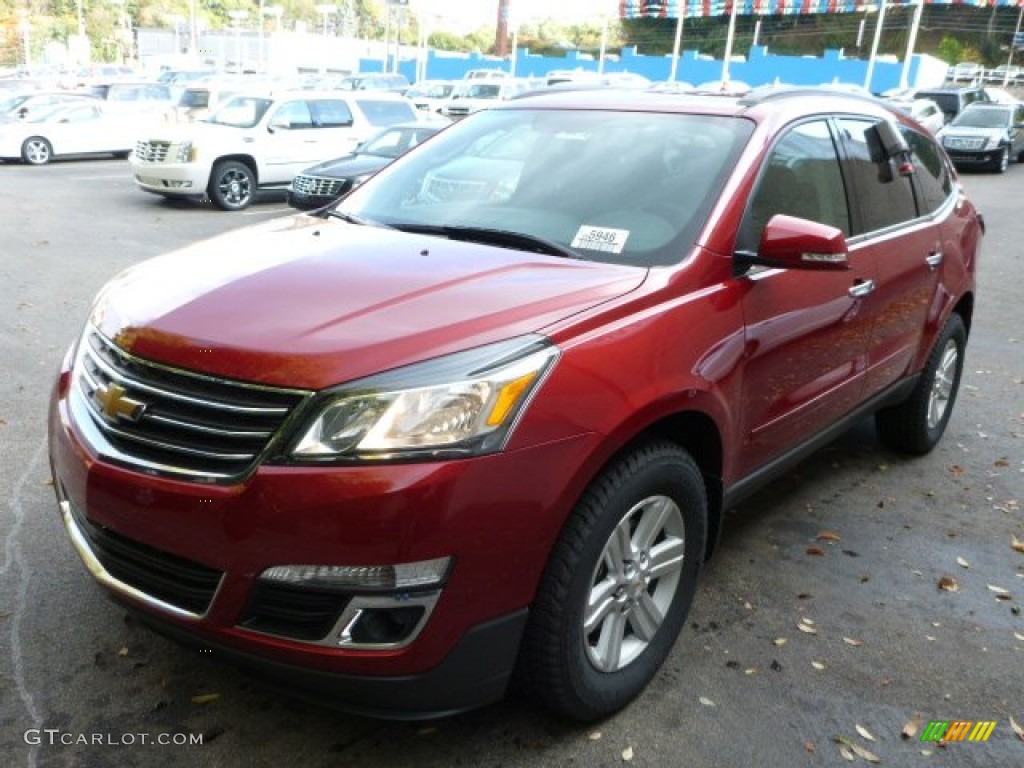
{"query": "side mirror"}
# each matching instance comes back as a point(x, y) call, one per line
point(792, 243)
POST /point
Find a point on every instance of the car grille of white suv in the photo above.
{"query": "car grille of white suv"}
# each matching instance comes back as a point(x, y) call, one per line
point(152, 151)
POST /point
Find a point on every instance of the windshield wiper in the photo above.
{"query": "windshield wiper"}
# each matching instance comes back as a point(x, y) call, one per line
point(350, 218)
point(499, 237)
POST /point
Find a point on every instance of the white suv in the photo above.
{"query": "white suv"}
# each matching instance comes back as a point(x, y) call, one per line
point(260, 142)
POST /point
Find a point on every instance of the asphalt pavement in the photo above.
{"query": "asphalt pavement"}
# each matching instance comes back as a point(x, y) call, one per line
point(819, 627)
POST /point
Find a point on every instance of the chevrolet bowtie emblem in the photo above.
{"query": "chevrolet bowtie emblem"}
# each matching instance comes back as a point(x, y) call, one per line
point(116, 405)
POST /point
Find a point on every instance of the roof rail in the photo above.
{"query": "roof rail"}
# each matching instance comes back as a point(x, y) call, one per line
point(773, 92)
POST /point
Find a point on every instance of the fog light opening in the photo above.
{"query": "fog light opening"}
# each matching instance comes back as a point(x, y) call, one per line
point(383, 626)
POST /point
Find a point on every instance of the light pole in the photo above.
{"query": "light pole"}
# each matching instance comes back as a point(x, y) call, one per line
point(193, 41)
point(325, 11)
point(25, 27)
point(237, 17)
point(276, 11)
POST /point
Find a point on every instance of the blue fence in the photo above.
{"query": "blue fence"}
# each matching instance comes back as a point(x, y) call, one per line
point(760, 67)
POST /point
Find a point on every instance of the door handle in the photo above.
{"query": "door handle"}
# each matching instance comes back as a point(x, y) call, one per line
point(862, 288)
point(934, 259)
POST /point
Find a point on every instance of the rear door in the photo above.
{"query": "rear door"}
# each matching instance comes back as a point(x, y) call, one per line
point(894, 228)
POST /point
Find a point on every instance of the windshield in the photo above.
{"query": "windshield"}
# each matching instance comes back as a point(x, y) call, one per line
point(630, 188)
point(6, 105)
point(983, 118)
point(380, 112)
point(478, 91)
point(240, 112)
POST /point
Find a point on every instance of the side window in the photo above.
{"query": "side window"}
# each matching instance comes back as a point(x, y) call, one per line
point(331, 113)
point(885, 198)
point(801, 178)
point(293, 115)
point(932, 172)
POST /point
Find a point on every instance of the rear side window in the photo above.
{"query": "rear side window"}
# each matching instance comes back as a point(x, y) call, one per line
point(884, 198)
point(331, 113)
point(934, 177)
point(383, 112)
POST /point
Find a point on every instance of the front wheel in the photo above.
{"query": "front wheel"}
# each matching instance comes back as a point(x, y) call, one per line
point(231, 185)
point(36, 151)
point(619, 584)
point(916, 425)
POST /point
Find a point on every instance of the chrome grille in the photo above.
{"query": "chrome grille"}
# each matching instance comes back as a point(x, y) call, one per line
point(313, 185)
point(177, 422)
point(960, 142)
point(152, 151)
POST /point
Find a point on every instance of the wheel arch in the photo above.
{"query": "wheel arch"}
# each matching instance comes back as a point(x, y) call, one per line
point(247, 160)
point(695, 431)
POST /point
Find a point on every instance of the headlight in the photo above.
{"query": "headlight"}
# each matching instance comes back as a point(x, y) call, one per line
point(186, 152)
point(459, 405)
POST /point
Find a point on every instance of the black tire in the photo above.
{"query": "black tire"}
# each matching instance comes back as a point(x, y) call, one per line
point(916, 425)
point(231, 185)
point(36, 150)
point(561, 659)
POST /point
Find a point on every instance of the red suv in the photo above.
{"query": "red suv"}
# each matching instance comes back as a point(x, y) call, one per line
point(484, 415)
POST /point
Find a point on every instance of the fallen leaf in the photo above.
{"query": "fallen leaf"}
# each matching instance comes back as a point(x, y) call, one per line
point(1017, 544)
point(122, 651)
point(846, 753)
point(859, 750)
point(594, 736)
point(205, 698)
point(1000, 593)
point(912, 726)
point(706, 701)
point(956, 470)
point(864, 732)
point(1001, 463)
point(949, 584)
point(750, 671)
point(1018, 635)
point(806, 629)
point(779, 641)
point(818, 665)
point(627, 754)
point(828, 536)
point(809, 746)
point(854, 643)
point(962, 563)
point(430, 730)
point(1017, 728)
point(816, 551)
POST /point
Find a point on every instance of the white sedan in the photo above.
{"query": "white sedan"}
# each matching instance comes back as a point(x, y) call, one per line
point(70, 129)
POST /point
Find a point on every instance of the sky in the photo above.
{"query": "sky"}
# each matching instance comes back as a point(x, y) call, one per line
point(467, 15)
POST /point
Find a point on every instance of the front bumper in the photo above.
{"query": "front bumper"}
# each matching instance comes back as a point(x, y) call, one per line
point(173, 179)
point(189, 556)
point(972, 159)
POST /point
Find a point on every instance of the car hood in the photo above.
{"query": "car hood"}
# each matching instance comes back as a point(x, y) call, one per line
point(308, 302)
point(348, 166)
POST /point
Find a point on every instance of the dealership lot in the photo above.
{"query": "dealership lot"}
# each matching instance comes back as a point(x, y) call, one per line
point(841, 560)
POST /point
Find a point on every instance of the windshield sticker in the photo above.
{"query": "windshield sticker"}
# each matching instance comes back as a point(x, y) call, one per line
point(602, 239)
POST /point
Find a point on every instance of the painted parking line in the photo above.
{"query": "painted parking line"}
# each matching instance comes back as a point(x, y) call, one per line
point(119, 176)
point(267, 211)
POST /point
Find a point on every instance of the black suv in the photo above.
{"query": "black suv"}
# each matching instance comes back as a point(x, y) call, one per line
point(952, 99)
point(985, 136)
